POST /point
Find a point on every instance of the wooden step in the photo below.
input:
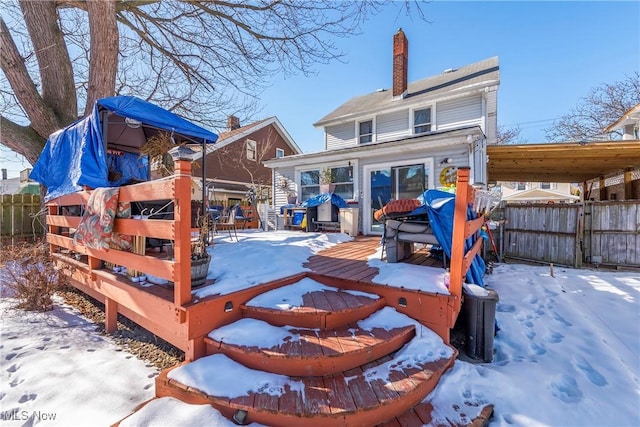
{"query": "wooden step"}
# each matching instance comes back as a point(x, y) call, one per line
point(363, 396)
point(470, 415)
point(311, 304)
point(309, 352)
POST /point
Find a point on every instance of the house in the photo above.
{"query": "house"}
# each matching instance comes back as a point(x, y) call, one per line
point(628, 124)
point(626, 185)
point(396, 143)
point(19, 185)
point(235, 163)
point(539, 192)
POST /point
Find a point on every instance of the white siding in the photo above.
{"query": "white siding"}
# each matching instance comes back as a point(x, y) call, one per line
point(280, 194)
point(392, 125)
point(340, 136)
point(459, 113)
point(492, 116)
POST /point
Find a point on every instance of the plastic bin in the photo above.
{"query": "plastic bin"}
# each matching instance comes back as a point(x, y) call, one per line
point(480, 320)
point(349, 221)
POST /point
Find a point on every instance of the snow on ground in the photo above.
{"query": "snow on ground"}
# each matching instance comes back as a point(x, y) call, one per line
point(55, 369)
point(567, 353)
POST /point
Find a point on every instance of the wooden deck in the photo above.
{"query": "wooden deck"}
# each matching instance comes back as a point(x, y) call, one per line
point(334, 393)
point(348, 260)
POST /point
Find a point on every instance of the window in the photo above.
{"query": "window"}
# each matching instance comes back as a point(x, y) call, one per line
point(422, 121)
point(545, 185)
point(342, 178)
point(279, 153)
point(365, 132)
point(251, 149)
point(521, 186)
point(309, 184)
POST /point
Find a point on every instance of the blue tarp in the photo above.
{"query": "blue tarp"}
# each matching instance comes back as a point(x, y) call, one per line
point(76, 155)
point(440, 206)
point(324, 198)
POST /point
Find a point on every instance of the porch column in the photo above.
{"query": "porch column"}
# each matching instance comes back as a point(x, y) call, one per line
point(628, 188)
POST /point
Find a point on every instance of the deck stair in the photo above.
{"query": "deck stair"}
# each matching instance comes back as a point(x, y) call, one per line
point(315, 355)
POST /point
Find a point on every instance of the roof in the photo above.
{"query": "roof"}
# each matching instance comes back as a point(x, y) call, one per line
point(562, 162)
point(470, 77)
point(228, 137)
point(540, 194)
point(630, 117)
point(413, 143)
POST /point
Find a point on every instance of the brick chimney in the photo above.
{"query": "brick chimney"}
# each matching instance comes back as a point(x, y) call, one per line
point(400, 63)
point(233, 123)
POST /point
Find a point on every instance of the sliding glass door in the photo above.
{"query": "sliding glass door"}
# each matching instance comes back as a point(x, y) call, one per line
point(393, 183)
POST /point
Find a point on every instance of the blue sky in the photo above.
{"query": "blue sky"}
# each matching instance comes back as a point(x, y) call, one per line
point(551, 54)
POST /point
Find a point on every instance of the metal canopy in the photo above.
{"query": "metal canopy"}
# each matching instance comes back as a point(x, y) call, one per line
point(563, 162)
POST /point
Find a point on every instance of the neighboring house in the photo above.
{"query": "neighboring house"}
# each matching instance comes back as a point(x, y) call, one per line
point(19, 185)
point(539, 192)
point(236, 163)
point(626, 185)
point(395, 143)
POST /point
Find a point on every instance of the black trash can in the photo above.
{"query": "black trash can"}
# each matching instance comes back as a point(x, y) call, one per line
point(480, 320)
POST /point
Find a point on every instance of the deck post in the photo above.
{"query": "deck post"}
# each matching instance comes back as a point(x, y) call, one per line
point(182, 221)
point(110, 315)
point(458, 240)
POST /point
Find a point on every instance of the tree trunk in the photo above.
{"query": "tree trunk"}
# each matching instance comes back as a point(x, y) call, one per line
point(54, 63)
point(104, 51)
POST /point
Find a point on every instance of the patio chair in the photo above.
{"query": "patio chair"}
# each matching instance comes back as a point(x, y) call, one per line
point(227, 222)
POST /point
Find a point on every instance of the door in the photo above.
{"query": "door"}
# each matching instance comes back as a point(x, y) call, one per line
point(386, 183)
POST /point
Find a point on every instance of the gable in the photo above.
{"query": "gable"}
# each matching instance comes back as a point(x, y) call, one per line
point(468, 79)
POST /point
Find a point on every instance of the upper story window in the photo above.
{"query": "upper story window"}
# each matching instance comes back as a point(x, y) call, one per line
point(251, 150)
point(545, 185)
point(365, 132)
point(422, 121)
point(521, 186)
point(279, 153)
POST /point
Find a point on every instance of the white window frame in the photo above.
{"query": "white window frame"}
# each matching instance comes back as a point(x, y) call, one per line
point(431, 119)
point(373, 130)
point(429, 162)
point(252, 150)
point(279, 153)
point(319, 168)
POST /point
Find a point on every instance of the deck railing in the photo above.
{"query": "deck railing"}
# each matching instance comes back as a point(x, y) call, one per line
point(463, 229)
point(63, 217)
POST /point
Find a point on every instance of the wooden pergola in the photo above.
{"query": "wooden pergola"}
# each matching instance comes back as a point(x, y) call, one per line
point(573, 162)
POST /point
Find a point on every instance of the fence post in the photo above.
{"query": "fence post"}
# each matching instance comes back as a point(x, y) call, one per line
point(182, 232)
point(458, 240)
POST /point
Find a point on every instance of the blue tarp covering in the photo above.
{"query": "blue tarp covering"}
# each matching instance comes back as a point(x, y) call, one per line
point(324, 198)
point(440, 206)
point(76, 155)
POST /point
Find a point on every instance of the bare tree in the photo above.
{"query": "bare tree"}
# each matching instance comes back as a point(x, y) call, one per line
point(505, 135)
point(602, 106)
point(196, 58)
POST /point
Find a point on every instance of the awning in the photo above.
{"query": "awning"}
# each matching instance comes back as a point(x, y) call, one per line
point(562, 162)
point(77, 155)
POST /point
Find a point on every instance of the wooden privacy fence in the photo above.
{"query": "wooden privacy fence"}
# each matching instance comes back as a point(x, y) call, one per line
point(18, 215)
point(606, 233)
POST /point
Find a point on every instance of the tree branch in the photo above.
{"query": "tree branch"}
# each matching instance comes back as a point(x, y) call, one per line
point(19, 139)
point(41, 115)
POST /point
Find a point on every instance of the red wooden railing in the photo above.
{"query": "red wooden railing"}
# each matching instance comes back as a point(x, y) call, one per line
point(463, 229)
